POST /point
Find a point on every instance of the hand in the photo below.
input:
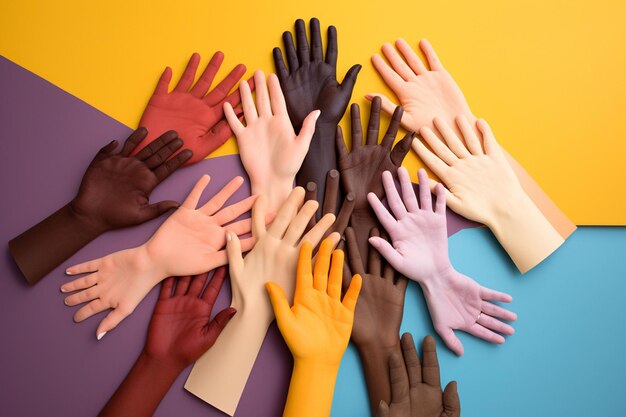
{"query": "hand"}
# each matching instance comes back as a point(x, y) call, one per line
point(424, 94)
point(181, 329)
point(419, 251)
point(115, 190)
point(270, 151)
point(275, 253)
point(329, 204)
point(197, 116)
point(311, 82)
point(416, 387)
point(188, 242)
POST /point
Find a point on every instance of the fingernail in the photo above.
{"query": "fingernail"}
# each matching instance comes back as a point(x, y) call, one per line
point(65, 302)
point(63, 290)
point(228, 236)
point(101, 335)
point(317, 114)
point(368, 96)
point(231, 313)
point(68, 272)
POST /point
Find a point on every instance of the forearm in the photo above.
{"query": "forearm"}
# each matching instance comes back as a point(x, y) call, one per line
point(143, 388)
point(321, 158)
point(220, 375)
point(46, 245)
point(375, 362)
point(311, 389)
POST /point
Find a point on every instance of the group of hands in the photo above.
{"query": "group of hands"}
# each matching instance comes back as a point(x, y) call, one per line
point(288, 134)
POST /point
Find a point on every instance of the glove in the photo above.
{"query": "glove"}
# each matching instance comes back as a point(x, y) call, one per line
point(189, 242)
point(316, 329)
point(420, 252)
point(415, 386)
point(329, 204)
point(197, 116)
point(311, 84)
point(361, 169)
point(426, 94)
point(180, 331)
point(483, 187)
point(114, 193)
point(270, 151)
point(220, 375)
point(377, 317)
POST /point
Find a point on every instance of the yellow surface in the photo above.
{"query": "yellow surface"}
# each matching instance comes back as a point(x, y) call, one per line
point(550, 76)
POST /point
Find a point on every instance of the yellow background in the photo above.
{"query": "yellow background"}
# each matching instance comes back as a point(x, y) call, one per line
point(550, 76)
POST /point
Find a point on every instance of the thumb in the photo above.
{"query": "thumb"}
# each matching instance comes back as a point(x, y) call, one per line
point(218, 323)
point(308, 127)
point(451, 403)
point(383, 409)
point(389, 252)
point(153, 211)
point(235, 257)
point(282, 311)
point(350, 79)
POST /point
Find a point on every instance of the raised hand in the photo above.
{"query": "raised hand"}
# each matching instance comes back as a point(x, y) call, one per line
point(180, 331)
point(416, 387)
point(114, 193)
point(362, 167)
point(316, 329)
point(420, 252)
point(189, 242)
point(310, 83)
point(378, 315)
point(191, 109)
point(270, 150)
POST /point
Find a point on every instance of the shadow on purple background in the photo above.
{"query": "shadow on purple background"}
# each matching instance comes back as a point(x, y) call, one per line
point(49, 365)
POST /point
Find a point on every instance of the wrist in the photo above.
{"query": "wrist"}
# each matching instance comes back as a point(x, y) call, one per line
point(276, 191)
point(436, 282)
point(143, 267)
point(84, 219)
point(164, 368)
point(377, 349)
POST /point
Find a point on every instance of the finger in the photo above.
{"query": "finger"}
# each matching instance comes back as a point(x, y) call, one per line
point(392, 129)
point(469, 135)
point(241, 227)
point(495, 325)
point(214, 286)
point(318, 231)
point(112, 319)
point(220, 92)
point(489, 140)
point(383, 216)
point(371, 138)
point(308, 129)
point(450, 339)
point(408, 192)
point(163, 85)
point(430, 364)
point(168, 167)
point(355, 117)
point(299, 223)
point(235, 257)
point(166, 288)
point(393, 198)
point(497, 311)
point(182, 286)
point(316, 40)
point(234, 98)
point(352, 295)
point(282, 311)
point(388, 106)
point(83, 268)
point(451, 138)
point(398, 378)
point(259, 210)
point(217, 201)
point(398, 64)
point(279, 63)
point(349, 80)
point(411, 57)
point(493, 295)
point(451, 403)
point(304, 273)
point(331, 47)
point(431, 55)
point(163, 154)
point(440, 195)
point(391, 78)
point(485, 334)
point(233, 121)
point(194, 196)
point(287, 212)
point(347, 274)
point(189, 74)
point(401, 148)
point(218, 324)
point(387, 251)
point(412, 360)
point(304, 55)
point(290, 52)
point(197, 283)
point(336, 275)
point(230, 213)
point(81, 297)
point(439, 148)
point(130, 144)
point(155, 147)
point(342, 151)
point(383, 409)
point(91, 309)
point(331, 192)
point(247, 103)
point(374, 266)
point(263, 105)
point(354, 255)
point(431, 160)
point(424, 190)
point(343, 217)
point(388, 271)
point(322, 265)
point(152, 211)
point(208, 75)
point(311, 194)
point(277, 99)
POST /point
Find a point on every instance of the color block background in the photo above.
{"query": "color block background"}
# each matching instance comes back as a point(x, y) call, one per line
point(549, 76)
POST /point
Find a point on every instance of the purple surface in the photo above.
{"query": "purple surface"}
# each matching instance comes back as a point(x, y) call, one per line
point(48, 364)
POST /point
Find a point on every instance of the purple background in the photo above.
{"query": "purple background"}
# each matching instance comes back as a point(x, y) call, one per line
point(48, 364)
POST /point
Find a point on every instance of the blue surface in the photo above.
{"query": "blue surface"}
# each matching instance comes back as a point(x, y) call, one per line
point(567, 355)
